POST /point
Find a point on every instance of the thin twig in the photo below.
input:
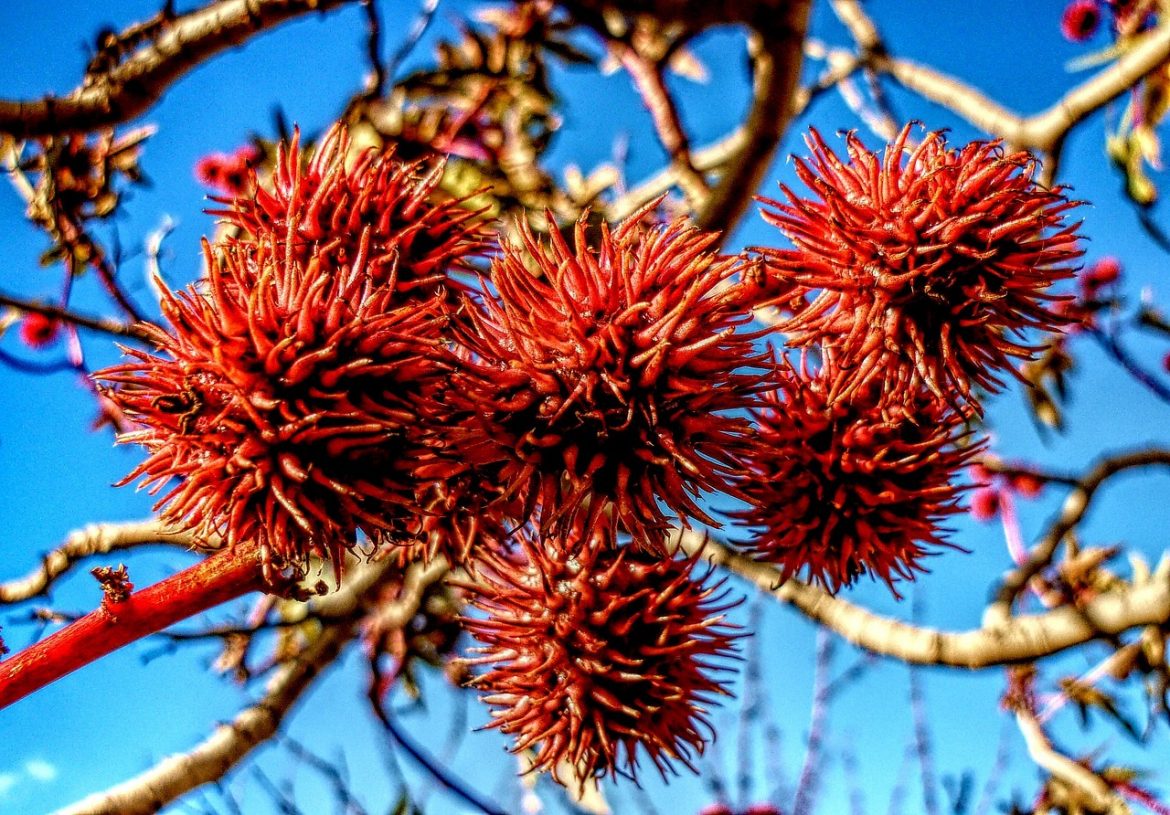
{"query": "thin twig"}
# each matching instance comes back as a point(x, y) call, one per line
point(814, 758)
point(1076, 504)
point(95, 539)
point(106, 326)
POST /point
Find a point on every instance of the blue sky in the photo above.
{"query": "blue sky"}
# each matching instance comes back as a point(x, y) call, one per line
point(111, 720)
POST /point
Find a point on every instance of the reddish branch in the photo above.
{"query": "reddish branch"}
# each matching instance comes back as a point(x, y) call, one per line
point(221, 577)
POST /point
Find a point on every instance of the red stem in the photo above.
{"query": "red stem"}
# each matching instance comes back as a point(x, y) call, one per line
point(221, 577)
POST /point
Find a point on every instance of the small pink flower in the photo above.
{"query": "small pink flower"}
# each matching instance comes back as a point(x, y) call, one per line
point(762, 809)
point(1104, 272)
point(38, 330)
point(716, 809)
point(985, 504)
point(229, 174)
point(1080, 20)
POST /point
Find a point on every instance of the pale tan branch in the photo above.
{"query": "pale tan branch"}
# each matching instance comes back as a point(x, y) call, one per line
point(95, 539)
point(1076, 504)
point(230, 743)
point(1042, 132)
point(227, 745)
point(860, 25)
point(705, 159)
point(1024, 638)
point(137, 82)
point(651, 85)
point(1098, 796)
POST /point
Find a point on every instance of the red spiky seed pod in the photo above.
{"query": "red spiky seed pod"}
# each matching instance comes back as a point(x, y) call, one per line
point(280, 407)
point(923, 267)
point(599, 655)
point(326, 202)
point(609, 378)
point(838, 491)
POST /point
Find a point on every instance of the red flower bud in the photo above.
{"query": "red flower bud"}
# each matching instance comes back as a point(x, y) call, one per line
point(282, 405)
point(839, 491)
point(608, 379)
point(1026, 484)
point(329, 201)
point(985, 504)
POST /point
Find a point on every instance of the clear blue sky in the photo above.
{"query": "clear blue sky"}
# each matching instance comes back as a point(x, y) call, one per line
point(111, 720)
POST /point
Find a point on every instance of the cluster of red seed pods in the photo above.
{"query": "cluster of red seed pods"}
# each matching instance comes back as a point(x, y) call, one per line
point(336, 372)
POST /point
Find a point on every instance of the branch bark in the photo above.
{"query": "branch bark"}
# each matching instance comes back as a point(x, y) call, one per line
point(136, 83)
point(95, 539)
point(1043, 132)
point(777, 52)
point(230, 743)
point(1023, 638)
point(119, 621)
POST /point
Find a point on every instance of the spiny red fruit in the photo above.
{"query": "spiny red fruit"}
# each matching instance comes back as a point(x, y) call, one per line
point(838, 491)
point(922, 267)
point(598, 656)
point(609, 378)
point(328, 203)
point(280, 406)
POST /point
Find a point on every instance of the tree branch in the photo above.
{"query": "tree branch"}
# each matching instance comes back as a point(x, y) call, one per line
point(777, 52)
point(106, 326)
point(1076, 504)
point(1023, 638)
point(177, 775)
point(134, 84)
point(1044, 131)
point(651, 85)
point(95, 539)
point(125, 617)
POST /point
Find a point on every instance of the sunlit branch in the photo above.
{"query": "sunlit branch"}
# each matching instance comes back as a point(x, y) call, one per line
point(228, 744)
point(95, 539)
point(137, 82)
point(1021, 638)
point(1076, 504)
point(1097, 793)
point(1043, 132)
point(651, 84)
